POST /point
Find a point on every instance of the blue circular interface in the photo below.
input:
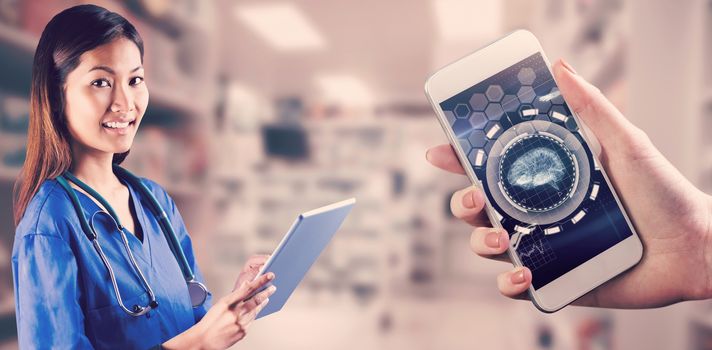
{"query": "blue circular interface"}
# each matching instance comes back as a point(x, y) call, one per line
point(538, 173)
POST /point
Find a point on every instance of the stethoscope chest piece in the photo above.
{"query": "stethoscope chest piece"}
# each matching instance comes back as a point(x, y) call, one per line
point(198, 293)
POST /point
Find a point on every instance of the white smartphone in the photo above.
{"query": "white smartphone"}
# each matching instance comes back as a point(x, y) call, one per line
point(524, 148)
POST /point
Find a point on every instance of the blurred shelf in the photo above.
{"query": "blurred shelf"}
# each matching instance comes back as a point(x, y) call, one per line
point(611, 68)
point(17, 49)
point(165, 107)
point(11, 36)
point(177, 23)
point(8, 175)
point(599, 14)
point(184, 191)
point(170, 20)
point(8, 326)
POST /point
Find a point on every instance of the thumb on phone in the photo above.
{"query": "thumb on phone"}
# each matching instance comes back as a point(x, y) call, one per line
point(606, 122)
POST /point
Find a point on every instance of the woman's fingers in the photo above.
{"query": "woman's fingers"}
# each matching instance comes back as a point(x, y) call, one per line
point(251, 269)
point(253, 303)
point(491, 243)
point(256, 261)
point(246, 317)
point(260, 297)
point(515, 282)
point(260, 306)
point(467, 205)
point(443, 157)
point(247, 289)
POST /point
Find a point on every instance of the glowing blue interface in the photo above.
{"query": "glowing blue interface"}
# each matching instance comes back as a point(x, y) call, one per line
point(536, 169)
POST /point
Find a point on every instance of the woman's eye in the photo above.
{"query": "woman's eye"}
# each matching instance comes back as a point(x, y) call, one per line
point(100, 83)
point(136, 80)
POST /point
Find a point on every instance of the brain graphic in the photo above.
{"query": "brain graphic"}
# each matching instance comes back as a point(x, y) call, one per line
point(538, 172)
point(537, 167)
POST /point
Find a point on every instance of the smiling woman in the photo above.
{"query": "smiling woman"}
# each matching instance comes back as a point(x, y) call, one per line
point(94, 243)
point(55, 77)
point(105, 99)
point(109, 78)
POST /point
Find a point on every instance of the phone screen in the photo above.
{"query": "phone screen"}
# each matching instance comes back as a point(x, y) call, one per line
point(536, 169)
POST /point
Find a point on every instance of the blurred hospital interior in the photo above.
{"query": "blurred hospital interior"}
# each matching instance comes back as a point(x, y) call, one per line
point(263, 109)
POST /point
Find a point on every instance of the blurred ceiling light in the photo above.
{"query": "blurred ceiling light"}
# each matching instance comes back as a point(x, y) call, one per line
point(243, 106)
point(282, 25)
point(345, 90)
point(461, 20)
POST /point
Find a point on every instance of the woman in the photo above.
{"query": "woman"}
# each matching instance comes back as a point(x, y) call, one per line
point(93, 265)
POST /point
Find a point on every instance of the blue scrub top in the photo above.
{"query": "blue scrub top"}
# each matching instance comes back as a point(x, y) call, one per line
point(63, 295)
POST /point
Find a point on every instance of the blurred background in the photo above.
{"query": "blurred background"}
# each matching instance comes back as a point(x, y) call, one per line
point(263, 109)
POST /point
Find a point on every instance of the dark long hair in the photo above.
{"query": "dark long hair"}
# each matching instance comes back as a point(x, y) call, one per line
point(65, 38)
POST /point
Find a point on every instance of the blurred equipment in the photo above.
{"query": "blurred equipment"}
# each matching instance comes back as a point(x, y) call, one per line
point(285, 141)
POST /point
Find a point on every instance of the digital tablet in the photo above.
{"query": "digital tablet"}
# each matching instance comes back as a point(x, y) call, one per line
point(300, 248)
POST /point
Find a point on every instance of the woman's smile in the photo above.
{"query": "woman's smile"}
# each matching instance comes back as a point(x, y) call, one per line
point(119, 127)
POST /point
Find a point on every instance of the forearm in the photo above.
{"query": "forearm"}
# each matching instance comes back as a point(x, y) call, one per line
point(190, 339)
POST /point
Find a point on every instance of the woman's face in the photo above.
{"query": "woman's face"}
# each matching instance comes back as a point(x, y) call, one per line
point(106, 97)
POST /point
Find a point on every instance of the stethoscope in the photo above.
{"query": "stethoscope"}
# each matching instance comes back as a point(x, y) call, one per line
point(198, 292)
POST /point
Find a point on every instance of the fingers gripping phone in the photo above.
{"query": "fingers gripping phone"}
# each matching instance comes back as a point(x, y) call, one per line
point(524, 148)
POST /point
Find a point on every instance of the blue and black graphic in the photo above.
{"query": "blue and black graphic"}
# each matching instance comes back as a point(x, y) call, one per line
point(536, 169)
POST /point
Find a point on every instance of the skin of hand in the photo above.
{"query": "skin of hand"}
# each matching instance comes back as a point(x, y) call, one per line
point(250, 270)
point(227, 321)
point(671, 216)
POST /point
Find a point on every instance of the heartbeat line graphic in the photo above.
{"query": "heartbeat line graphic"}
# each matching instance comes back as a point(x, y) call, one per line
point(538, 246)
point(536, 252)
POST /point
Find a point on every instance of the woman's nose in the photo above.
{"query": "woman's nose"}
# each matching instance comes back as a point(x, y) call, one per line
point(122, 101)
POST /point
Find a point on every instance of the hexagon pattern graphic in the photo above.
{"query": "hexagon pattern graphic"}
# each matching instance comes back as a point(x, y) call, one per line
point(478, 102)
point(494, 111)
point(510, 103)
point(525, 94)
point(450, 117)
point(526, 76)
point(478, 120)
point(486, 109)
point(477, 139)
point(494, 93)
point(462, 111)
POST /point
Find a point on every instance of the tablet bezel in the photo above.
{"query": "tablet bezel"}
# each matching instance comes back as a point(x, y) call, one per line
point(348, 203)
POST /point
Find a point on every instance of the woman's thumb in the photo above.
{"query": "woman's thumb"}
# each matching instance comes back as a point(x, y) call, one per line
point(584, 99)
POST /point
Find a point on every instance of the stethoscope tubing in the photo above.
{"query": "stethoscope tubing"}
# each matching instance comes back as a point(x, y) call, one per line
point(162, 218)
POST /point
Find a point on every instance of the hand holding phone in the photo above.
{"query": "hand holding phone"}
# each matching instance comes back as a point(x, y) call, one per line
point(668, 211)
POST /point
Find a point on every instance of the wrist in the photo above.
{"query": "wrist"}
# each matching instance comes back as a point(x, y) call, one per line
point(191, 339)
point(707, 250)
point(693, 265)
